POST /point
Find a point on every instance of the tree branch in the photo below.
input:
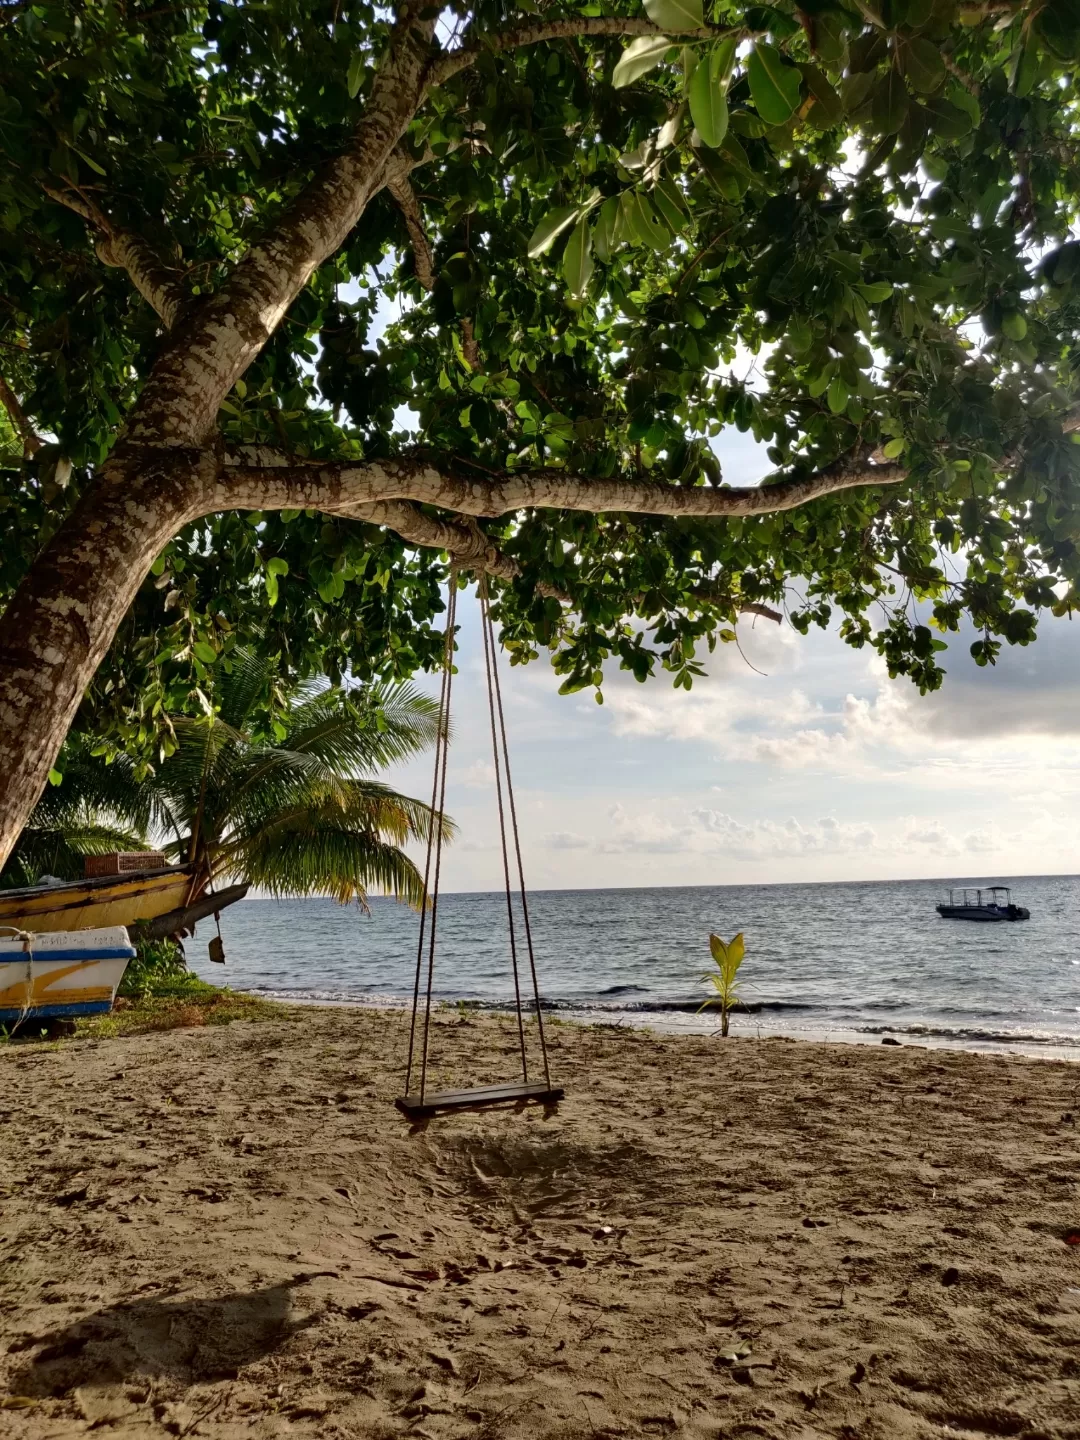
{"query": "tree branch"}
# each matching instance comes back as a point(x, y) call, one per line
point(179, 404)
point(388, 492)
point(124, 250)
point(575, 28)
point(471, 549)
point(400, 187)
point(32, 441)
point(339, 487)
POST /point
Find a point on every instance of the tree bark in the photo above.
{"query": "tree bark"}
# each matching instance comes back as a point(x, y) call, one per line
point(64, 616)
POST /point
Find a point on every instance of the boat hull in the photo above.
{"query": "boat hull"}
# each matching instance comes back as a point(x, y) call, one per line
point(981, 914)
point(61, 975)
point(96, 904)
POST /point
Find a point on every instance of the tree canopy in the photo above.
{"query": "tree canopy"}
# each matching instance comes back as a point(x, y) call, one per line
point(572, 220)
point(297, 812)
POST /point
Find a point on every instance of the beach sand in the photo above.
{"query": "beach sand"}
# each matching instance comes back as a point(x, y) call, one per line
point(229, 1231)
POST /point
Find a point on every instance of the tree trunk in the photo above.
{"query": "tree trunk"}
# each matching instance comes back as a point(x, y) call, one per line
point(65, 614)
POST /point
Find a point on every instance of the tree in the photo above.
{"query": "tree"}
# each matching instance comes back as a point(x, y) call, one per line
point(296, 813)
point(581, 218)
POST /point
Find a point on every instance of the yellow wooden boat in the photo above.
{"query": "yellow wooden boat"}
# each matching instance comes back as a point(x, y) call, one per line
point(99, 903)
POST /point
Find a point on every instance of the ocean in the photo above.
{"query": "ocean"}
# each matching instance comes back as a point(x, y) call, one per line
point(847, 962)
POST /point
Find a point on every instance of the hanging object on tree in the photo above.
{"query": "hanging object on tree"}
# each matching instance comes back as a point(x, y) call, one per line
point(422, 1104)
point(216, 948)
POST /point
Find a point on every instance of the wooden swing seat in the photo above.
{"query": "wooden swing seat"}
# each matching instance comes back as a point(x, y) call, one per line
point(481, 1098)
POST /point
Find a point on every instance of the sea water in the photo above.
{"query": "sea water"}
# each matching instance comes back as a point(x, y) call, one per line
point(839, 961)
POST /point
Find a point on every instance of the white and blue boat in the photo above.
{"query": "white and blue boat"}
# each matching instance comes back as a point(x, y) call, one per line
point(60, 975)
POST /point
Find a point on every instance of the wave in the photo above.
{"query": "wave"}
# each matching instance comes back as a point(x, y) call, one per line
point(976, 1034)
point(806, 1019)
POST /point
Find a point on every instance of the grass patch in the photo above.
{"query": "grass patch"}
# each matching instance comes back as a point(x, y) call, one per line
point(178, 1007)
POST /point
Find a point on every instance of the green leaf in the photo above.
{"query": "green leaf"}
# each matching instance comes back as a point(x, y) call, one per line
point(1024, 69)
point(204, 652)
point(800, 334)
point(829, 41)
point(947, 121)
point(641, 221)
point(875, 291)
point(86, 158)
point(1013, 325)
point(675, 14)
point(894, 448)
point(1058, 27)
point(55, 777)
point(923, 65)
point(817, 386)
point(708, 107)
point(722, 59)
point(890, 104)
point(577, 259)
point(605, 229)
point(357, 66)
point(550, 228)
point(639, 57)
point(861, 312)
point(827, 109)
point(669, 131)
point(855, 91)
point(670, 203)
point(963, 99)
point(774, 84)
point(838, 394)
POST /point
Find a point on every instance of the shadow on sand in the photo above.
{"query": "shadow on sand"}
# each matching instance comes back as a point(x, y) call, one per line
point(186, 1339)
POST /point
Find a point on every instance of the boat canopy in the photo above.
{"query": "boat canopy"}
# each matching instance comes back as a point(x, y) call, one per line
point(969, 895)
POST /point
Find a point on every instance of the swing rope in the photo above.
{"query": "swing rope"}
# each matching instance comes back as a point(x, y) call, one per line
point(495, 687)
point(433, 860)
point(435, 837)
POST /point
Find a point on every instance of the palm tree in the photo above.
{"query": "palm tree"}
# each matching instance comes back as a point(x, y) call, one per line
point(63, 830)
point(296, 814)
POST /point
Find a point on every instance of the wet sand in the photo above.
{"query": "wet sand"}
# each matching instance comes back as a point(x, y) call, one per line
point(229, 1231)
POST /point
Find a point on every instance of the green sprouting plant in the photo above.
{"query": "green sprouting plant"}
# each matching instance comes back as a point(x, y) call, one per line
point(724, 979)
point(158, 967)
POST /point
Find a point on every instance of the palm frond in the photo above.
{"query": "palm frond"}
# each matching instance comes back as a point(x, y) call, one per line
point(301, 817)
point(309, 854)
point(365, 730)
point(240, 687)
point(61, 850)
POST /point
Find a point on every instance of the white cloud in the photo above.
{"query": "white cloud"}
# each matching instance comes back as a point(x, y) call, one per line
point(823, 769)
point(713, 832)
point(762, 838)
point(480, 775)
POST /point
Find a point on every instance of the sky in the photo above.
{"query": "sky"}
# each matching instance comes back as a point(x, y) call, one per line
point(820, 768)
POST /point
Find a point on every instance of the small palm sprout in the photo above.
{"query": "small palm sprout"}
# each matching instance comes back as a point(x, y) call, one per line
point(728, 958)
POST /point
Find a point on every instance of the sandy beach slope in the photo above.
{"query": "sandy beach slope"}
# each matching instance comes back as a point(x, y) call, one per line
point(230, 1232)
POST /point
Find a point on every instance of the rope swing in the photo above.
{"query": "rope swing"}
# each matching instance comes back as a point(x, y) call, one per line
point(421, 1105)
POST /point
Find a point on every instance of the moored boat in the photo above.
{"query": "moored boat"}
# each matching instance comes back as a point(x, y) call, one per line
point(99, 902)
point(60, 974)
point(991, 903)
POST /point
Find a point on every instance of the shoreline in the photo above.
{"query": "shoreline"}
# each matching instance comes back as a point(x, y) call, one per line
point(745, 1024)
point(229, 1231)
